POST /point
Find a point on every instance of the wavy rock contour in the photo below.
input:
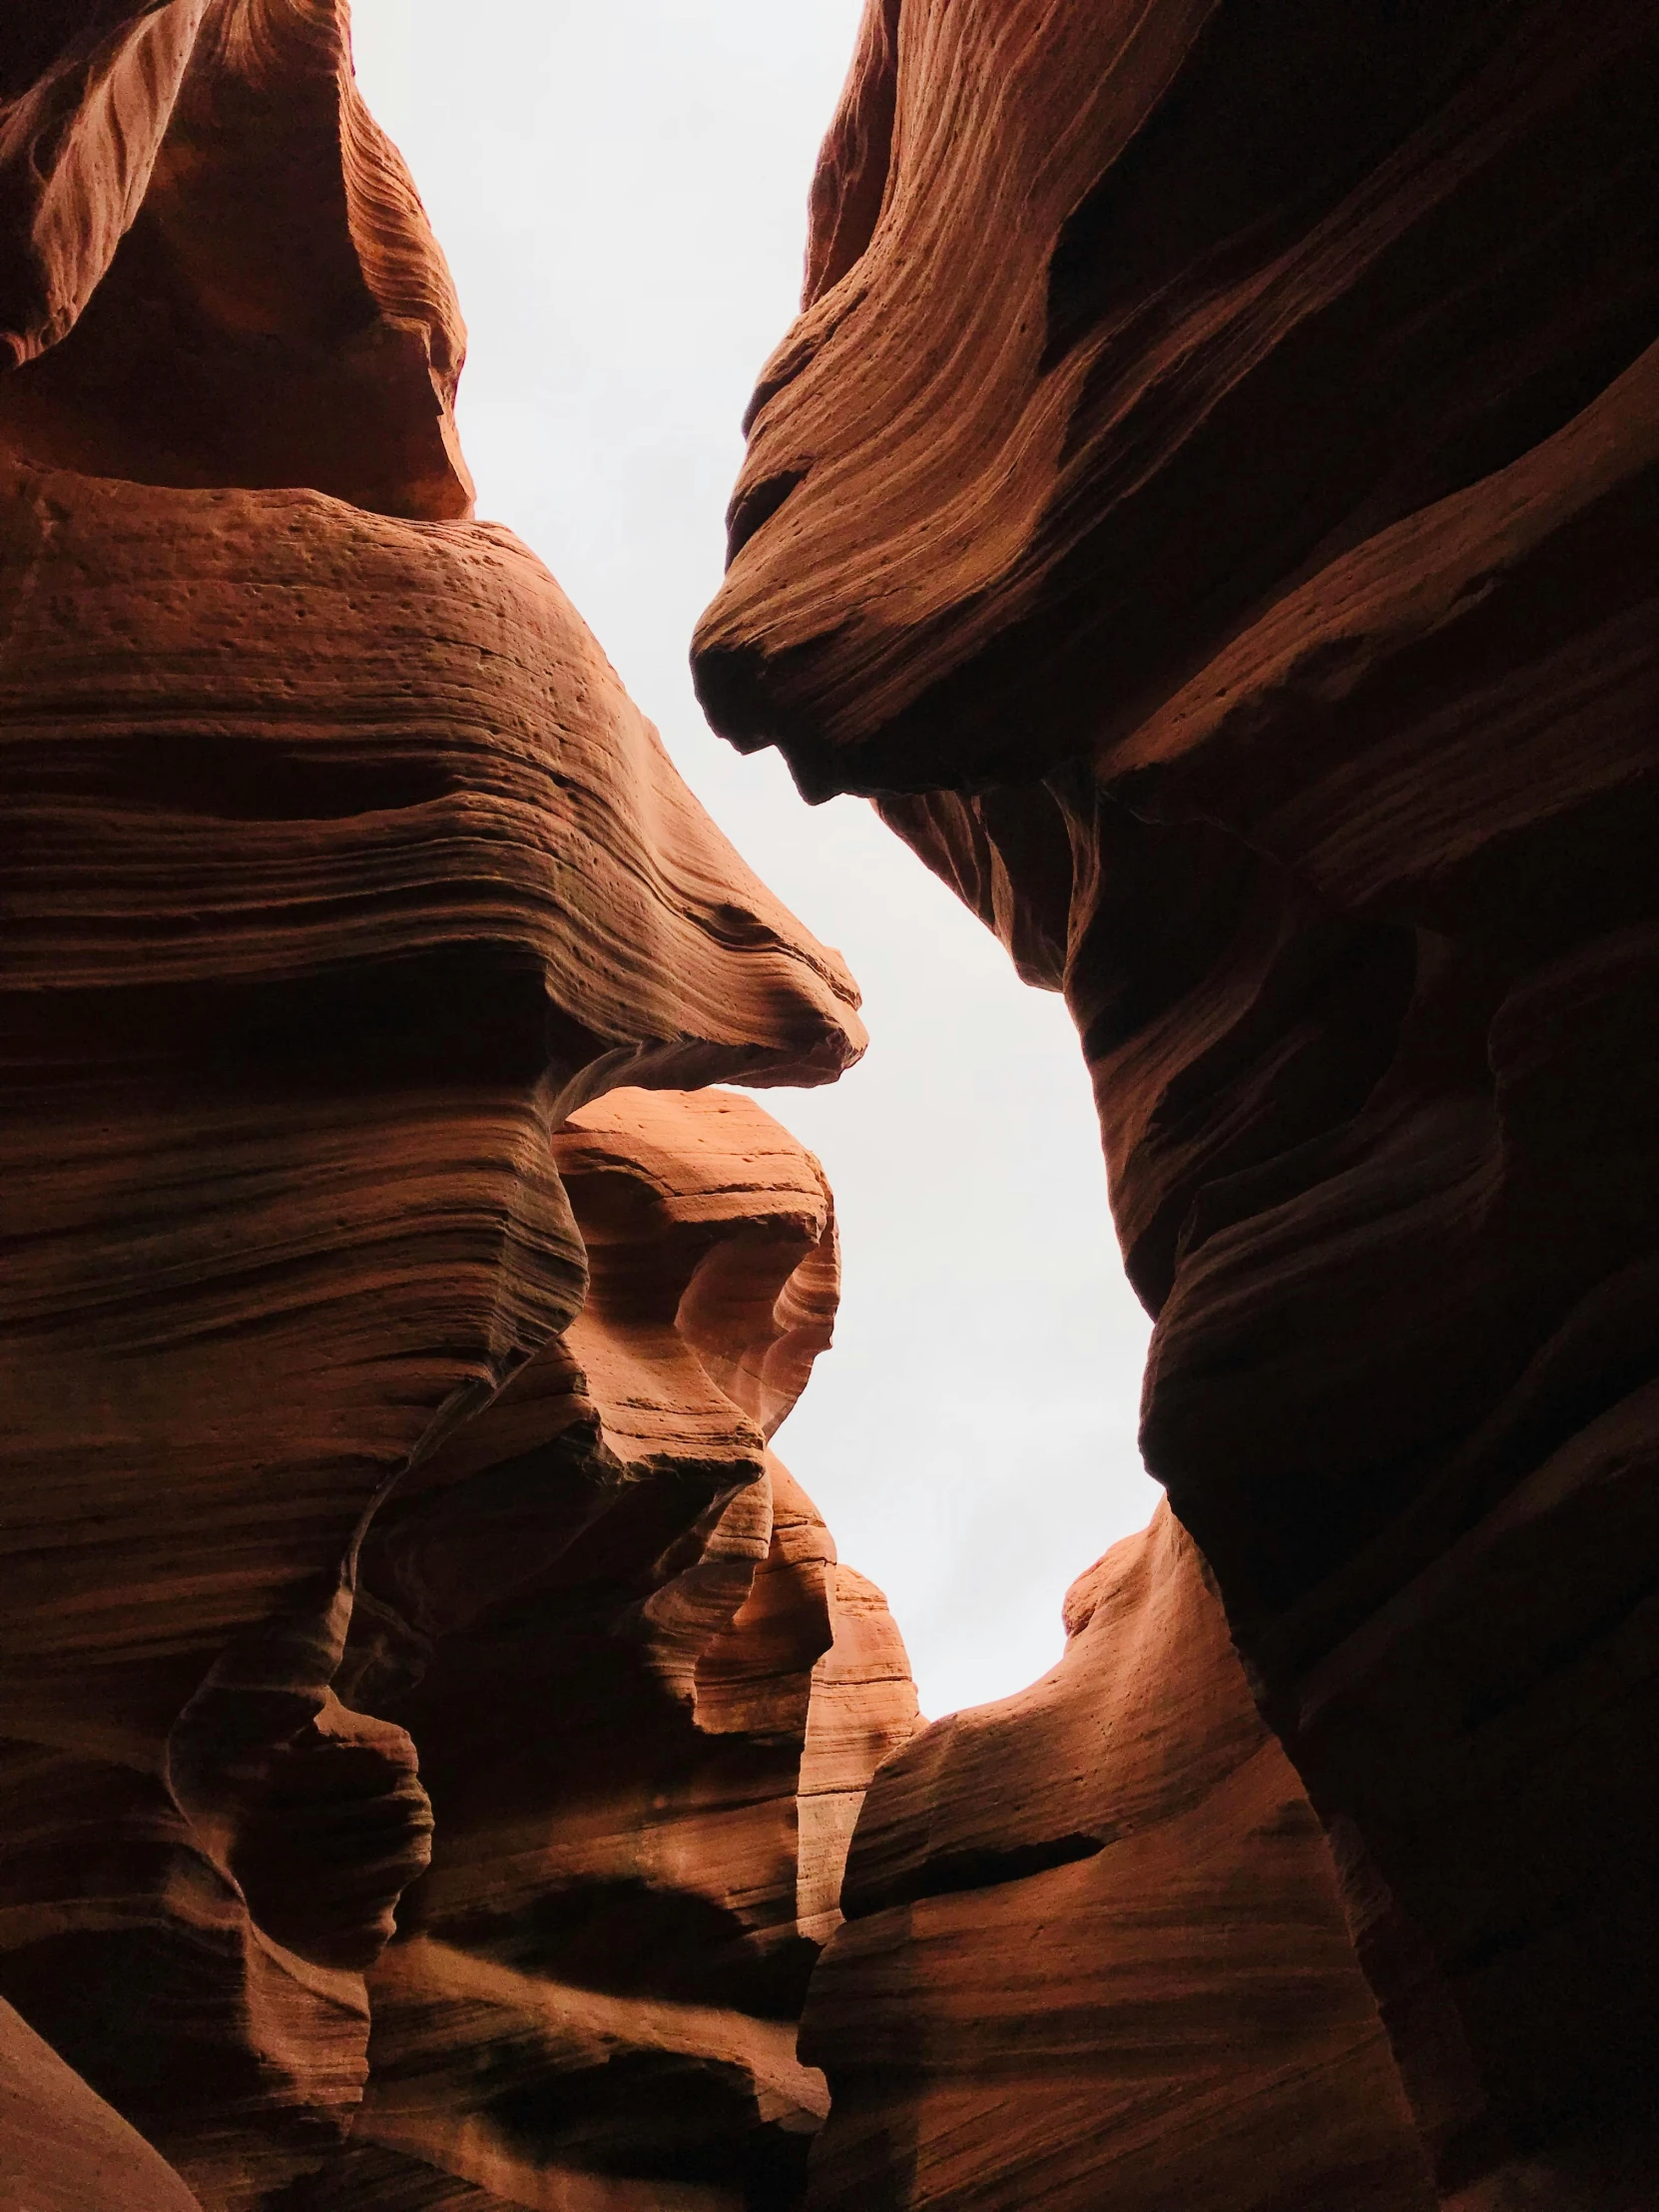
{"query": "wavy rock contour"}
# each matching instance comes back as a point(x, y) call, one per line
point(648, 1701)
point(345, 882)
point(1208, 502)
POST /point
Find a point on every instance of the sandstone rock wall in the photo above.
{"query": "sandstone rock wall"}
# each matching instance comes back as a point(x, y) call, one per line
point(1208, 501)
point(385, 1473)
point(618, 1633)
point(63, 2149)
point(1095, 1952)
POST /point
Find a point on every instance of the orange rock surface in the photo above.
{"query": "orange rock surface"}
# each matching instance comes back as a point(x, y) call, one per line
point(1208, 502)
point(647, 1701)
point(1095, 1952)
point(345, 882)
point(62, 2149)
point(215, 270)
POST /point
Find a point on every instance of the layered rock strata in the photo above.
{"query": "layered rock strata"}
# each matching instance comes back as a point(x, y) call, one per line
point(1208, 502)
point(1095, 1952)
point(345, 882)
point(647, 1702)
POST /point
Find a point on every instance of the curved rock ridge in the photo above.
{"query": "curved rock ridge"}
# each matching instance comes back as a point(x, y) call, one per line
point(1095, 1951)
point(341, 872)
point(214, 265)
point(342, 869)
point(647, 1701)
point(62, 2149)
point(1121, 318)
point(1209, 502)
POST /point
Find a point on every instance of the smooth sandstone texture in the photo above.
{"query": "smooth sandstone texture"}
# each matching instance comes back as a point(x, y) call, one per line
point(214, 267)
point(647, 1701)
point(1209, 502)
point(1095, 1952)
point(341, 872)
point(62, 2149)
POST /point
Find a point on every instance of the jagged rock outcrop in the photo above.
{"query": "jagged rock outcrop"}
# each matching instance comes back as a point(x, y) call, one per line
point(1209, 502)
point(341, 874)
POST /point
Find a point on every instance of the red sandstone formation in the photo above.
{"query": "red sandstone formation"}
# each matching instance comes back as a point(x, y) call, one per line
point(215, 270)
point(1127, 1840)
point(342, 874)
point(1208, 501)
point(1204, 501)
point(646, 1704)
point(62, 2149)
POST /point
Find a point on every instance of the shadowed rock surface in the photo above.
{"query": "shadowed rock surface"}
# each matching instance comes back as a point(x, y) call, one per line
point(647, 1701)
point(1095, 1952)
point(1209, 502)
point(341, 872)
point(62, 2149)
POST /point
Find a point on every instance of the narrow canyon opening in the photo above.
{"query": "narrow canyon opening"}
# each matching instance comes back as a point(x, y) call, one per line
point(1191, 538)
point(620, 195)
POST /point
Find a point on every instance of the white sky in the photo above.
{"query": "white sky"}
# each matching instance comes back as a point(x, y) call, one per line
point(620, 187)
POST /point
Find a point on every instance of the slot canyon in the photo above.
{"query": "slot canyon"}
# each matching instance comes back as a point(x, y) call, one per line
point(1208, 506)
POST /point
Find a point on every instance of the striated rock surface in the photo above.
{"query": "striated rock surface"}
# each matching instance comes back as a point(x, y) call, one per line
point(1095, 1952)
point(343, 883)
point(1209, 502)
point(214, 267)
point(647, 1701)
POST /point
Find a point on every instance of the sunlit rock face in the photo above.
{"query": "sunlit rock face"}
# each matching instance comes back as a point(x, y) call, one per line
point(1208, 501)
point(389, 1369)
